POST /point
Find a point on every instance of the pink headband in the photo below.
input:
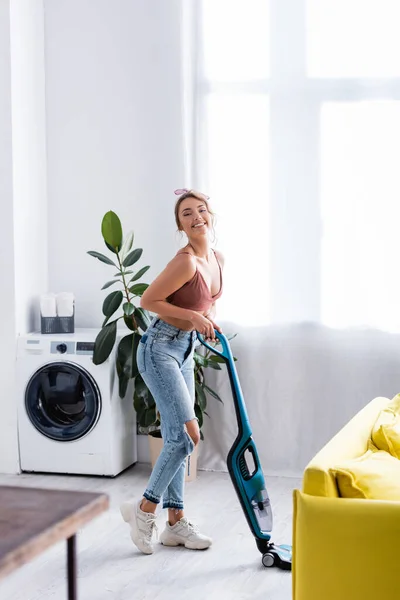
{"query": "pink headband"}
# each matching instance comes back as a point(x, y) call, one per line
point(181, 191)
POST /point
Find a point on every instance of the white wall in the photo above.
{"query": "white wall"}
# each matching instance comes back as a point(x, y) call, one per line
point(114, 136)
point(23, 242)
point(29, 159)
point(114, 141)
point(8, 438)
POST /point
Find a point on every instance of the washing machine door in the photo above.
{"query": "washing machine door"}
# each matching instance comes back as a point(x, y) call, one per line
point(63, 401)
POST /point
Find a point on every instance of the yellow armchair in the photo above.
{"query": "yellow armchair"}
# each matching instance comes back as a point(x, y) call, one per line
point(344, 549)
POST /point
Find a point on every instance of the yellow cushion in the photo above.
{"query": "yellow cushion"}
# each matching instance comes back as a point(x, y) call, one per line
point(351, 441)
point(386, 431)
point(374, 475)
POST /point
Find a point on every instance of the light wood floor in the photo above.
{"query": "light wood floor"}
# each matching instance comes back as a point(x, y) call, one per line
point(110, 567)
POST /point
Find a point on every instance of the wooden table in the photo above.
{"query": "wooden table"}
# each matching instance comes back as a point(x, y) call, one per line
point(32, 520)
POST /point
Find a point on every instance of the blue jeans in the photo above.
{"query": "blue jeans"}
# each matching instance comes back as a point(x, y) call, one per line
point(165, 362)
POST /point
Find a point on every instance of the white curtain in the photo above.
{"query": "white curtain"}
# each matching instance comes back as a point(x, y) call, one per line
point(294, 127)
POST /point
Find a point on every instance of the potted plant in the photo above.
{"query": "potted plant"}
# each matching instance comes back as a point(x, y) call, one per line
point(136, 319)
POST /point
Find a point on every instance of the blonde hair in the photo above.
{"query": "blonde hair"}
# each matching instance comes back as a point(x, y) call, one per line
point(192, 194)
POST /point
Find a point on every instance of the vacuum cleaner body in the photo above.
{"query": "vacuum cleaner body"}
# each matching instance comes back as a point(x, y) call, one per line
point(246, 473)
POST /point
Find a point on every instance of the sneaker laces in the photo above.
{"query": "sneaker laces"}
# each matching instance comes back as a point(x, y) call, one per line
point(151, 527)
point(191, 526)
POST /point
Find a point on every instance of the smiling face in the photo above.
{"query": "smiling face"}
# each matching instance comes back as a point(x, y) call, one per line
point(193, 216)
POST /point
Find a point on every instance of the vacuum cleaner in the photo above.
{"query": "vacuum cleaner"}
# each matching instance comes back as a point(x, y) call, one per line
point(246, 473)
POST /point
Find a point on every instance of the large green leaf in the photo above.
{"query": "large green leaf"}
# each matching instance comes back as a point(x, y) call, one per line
point(200, 360)
point(140, 387)
point(151, 416)
point(122, 385)
point(139, 274)
point(127, 244)
point(108, 284)
point(120, 273)
point(128, 308)
point(112, 302)
point(114, 250)
point(217, 359)
point(200, 396)
point(107, 319)
point(111, 230)
point(212, 393)
point(123, 380)
point(104, 343)
point(132, 257)
point(124, 354)
point(127, 349)
point(149, 399)
point(139, 288)
point(118, 367)
point(101, 257)
point(146, 417)
point(141, 416)
point(198, 371)
point(199, 414)
point(138, 403)
point(213, 365)
point(142, 318)
point(129, 323)
point(136, 340)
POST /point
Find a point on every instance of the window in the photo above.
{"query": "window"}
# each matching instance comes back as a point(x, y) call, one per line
point(235, 40)
point(296, 142)
point(353, 38)
point(237, 158)
point(360, 213)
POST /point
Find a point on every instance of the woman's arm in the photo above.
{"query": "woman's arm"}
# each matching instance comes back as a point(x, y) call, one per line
point(211, 313)
point(180, 270)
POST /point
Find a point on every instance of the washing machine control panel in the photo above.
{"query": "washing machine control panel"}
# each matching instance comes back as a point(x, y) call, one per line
point(84, 347)
point(72, 347)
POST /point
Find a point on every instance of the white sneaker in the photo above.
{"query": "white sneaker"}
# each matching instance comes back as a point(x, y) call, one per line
point(142, 525)
point(184, 533)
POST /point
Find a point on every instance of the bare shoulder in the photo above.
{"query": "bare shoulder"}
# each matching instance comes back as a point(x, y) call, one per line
point(220, 257)
point(177, 272)
point(184, 263)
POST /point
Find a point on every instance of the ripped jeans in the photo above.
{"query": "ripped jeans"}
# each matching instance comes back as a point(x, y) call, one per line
point(165, 362)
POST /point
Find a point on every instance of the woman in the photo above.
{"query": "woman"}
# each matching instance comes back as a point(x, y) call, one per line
point(183, 297)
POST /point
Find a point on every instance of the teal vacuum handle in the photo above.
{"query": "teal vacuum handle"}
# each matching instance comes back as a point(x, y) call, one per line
point(226, 350)
point(227, 355)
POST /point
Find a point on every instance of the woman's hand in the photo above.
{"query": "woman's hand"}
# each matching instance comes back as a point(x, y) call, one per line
point(204, 325)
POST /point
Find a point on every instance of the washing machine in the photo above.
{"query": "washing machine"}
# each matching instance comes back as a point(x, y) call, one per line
point(70, 416)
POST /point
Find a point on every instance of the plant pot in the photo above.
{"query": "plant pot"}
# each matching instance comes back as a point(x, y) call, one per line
point(156, 445)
